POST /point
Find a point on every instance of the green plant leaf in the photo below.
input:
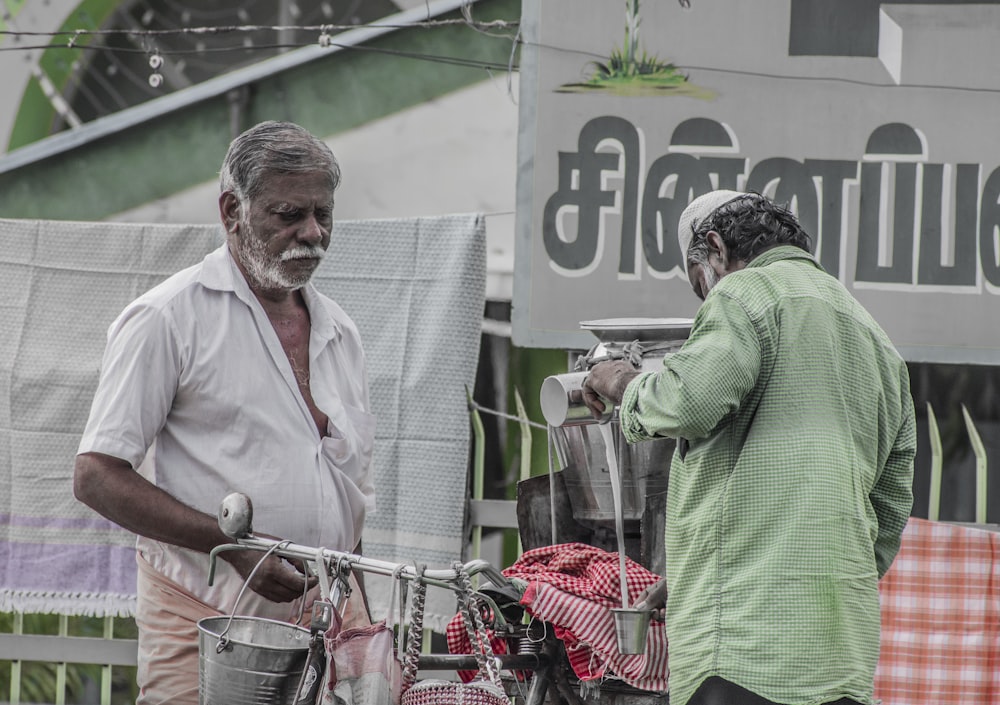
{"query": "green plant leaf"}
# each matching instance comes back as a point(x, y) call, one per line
point(934, 501)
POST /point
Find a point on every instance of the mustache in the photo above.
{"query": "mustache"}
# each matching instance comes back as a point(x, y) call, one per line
point(303, 252)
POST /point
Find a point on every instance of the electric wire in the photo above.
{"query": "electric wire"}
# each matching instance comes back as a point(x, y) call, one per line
point(227, 29)
point(76, 35)
point(477, 25)
point(449, 60)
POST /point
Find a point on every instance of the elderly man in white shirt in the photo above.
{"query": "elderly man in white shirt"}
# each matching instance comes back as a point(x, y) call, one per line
point(233, 375)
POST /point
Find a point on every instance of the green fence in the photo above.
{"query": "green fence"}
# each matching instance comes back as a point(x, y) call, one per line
point(50, 658)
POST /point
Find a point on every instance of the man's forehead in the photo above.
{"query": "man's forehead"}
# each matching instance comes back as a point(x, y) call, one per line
point(298, 188)
point(295, 202)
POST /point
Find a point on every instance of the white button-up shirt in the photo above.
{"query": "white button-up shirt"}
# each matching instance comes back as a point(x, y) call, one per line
point(198, 394)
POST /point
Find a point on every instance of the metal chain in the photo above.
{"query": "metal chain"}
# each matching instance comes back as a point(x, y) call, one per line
point(415, 638)
point(481, 647)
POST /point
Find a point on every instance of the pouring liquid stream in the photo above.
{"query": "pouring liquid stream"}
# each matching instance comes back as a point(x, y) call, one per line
point(607, 434)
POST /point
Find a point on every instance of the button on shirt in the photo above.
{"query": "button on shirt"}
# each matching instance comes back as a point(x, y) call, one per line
point(194, 373)
point(788, 497)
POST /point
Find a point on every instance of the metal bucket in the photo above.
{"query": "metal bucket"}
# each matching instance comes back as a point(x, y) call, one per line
point(643, 468)
point(260, 661)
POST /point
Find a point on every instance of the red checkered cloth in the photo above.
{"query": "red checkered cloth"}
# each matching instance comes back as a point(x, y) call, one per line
point(941, 618)
point(573, 587)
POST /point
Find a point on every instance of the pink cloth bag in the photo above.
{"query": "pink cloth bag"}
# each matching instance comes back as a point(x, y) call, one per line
point(362, 666)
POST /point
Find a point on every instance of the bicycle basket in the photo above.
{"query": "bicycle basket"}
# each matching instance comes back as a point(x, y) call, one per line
point(440, 692)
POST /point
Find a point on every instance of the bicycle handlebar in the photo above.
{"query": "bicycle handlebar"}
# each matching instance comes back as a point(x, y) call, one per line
point(237, 524)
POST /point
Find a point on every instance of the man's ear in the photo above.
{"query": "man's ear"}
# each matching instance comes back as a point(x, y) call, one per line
point(717, 246)
point(229, 211)
point(727, 260)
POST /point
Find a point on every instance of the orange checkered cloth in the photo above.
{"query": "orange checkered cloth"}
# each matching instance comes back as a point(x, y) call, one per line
point(940, 604)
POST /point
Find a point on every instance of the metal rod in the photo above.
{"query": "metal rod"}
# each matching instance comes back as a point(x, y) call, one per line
point(445, 578)
point(526, 458)
point(478, 470)
point(467, 662)
point(542, 678)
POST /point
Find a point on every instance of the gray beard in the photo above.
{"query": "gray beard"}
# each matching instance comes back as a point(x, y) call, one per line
point(711, 278)
point(265, 270)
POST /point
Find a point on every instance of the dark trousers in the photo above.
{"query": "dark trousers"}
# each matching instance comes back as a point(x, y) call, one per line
point(716, 691)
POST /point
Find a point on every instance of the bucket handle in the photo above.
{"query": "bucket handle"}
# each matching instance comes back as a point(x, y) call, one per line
point(223, 637)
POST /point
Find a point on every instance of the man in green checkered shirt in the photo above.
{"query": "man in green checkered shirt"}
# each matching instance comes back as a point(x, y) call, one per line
point(791, 482)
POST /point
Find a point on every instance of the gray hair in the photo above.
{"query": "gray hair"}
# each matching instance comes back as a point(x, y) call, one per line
point(749, 225)
point(274, 147)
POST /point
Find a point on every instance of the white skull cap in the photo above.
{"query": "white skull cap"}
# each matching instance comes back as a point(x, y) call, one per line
point(696, 211)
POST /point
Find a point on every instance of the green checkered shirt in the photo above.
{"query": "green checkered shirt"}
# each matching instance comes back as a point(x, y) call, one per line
point(790, 487)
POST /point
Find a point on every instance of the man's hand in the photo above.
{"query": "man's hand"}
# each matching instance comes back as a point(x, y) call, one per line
point(111, 487)
point(653, 598)
point(276, 579)
point(606, 382)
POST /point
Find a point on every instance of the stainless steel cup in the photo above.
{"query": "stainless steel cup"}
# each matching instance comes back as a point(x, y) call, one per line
point(631, 626)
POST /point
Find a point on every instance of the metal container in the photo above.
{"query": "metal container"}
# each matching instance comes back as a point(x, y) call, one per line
point(252, 661)
point(579, 446)
point(561, 398)
point(631, 626)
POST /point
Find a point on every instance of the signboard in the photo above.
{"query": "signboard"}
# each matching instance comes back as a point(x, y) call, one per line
point(875, 122)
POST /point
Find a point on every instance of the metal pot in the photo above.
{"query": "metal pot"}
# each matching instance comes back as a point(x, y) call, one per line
point(580, 448)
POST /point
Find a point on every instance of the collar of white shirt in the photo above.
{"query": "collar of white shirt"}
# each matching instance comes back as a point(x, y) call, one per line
point(219, 272)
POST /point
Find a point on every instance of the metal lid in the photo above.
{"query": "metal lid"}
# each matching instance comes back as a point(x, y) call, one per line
point(645, 330)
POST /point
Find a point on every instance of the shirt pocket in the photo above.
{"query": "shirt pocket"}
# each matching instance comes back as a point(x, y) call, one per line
point(349, 445)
